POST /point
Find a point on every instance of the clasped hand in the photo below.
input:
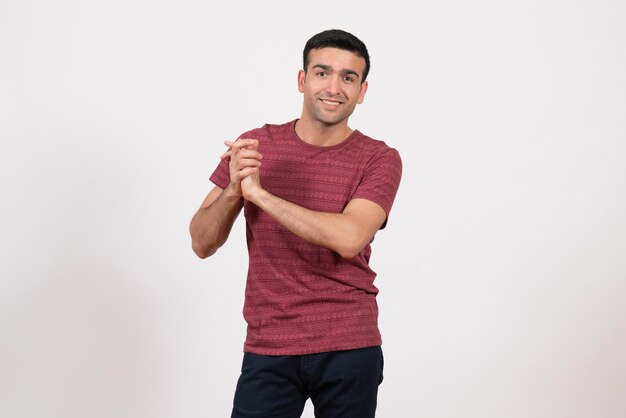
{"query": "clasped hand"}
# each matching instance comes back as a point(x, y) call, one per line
point(244, 160)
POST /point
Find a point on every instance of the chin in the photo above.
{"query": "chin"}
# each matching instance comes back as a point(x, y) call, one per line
point(331, 119)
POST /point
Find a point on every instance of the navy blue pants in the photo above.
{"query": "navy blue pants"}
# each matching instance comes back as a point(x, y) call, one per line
point(340, 384)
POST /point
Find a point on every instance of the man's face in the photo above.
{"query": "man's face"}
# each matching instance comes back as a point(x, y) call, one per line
point(332, 85)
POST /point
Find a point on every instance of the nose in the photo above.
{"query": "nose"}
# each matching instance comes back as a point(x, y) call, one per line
point(333, 86)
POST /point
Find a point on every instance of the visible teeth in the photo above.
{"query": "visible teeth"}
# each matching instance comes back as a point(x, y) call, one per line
point(330, 103)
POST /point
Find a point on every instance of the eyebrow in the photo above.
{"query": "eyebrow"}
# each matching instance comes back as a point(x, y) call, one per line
point(330, 69)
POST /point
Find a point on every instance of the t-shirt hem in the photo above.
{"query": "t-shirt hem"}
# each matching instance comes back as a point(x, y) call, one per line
point(287, 351)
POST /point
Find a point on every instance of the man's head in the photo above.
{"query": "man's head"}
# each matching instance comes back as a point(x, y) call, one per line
point(337, 38)
point(333, 79)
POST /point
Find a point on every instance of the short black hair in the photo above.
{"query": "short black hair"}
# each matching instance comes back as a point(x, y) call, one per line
point(337, 38)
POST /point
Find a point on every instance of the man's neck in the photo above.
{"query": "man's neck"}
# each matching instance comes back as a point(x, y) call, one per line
point(322, 135)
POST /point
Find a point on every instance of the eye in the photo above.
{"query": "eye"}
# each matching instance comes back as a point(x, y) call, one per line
point(321, 74)
point(348, 79)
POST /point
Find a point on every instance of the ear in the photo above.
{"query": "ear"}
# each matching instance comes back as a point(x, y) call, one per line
point(362, 92)
point(301, 76)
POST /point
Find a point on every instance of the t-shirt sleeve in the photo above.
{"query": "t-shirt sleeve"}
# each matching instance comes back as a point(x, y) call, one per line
point(221, 175)
point(381, 180)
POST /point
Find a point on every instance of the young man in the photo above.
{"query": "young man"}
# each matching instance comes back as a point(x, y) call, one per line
point(314, 193)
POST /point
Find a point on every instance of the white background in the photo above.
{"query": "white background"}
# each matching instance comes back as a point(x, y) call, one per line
point(502, 271)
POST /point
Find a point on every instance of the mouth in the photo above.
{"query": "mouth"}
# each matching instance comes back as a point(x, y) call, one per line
point(330, 102)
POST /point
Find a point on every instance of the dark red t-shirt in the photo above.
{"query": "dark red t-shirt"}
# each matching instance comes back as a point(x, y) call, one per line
point(302, 298)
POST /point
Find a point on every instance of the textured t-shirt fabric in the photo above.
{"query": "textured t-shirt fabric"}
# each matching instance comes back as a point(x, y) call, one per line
point(302, 298)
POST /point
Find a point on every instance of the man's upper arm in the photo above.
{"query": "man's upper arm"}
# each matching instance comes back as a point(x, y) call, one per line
point(367, 216)
point(380, 181)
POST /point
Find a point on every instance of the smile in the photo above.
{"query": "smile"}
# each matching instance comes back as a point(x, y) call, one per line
point(328, 102)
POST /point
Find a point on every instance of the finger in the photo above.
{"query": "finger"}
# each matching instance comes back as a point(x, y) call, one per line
point(248, 153)
point(248, 162)
point(243, 154)
point(242, 143)
point(248, 171)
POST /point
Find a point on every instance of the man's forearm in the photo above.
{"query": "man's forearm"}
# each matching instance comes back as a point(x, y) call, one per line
point(211, 225)
point(336, 231)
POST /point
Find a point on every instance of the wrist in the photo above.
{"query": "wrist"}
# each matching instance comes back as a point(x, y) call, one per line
point(232, 191)
point(256, 195)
